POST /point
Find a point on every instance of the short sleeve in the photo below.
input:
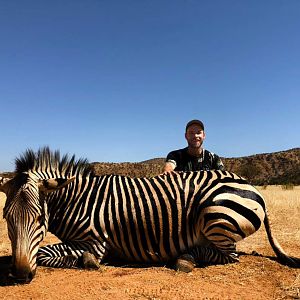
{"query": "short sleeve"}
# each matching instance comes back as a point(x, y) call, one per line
point(171, 157)
point(218, 164)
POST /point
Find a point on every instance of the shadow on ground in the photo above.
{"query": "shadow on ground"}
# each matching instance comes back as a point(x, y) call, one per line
point(4, 269)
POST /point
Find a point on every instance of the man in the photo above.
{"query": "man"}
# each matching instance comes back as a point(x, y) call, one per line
point(194, 157)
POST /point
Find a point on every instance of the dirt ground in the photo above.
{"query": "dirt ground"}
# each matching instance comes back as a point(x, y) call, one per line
point(254, 277)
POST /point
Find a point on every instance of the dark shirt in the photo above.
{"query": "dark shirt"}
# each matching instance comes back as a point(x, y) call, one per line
point(185, 162)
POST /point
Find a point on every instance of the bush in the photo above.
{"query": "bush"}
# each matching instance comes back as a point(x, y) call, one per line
point(288, 186)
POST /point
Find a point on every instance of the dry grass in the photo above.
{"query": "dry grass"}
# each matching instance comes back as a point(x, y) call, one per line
point(4, 242)
point(284, 211)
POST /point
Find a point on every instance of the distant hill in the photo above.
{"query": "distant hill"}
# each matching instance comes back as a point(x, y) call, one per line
point(268, 168)
point(281, 167)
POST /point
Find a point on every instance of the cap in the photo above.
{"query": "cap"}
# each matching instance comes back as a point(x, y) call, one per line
point(192, 122)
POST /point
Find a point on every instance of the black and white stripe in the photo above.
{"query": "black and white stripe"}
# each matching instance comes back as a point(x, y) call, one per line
point(202, 214)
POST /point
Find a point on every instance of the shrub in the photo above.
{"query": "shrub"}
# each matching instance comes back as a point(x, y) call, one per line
point(287, 186)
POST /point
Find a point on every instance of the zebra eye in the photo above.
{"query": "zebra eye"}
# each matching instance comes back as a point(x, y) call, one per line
point(39, 219)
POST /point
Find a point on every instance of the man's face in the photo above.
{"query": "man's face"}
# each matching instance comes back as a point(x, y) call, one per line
point(195, 136)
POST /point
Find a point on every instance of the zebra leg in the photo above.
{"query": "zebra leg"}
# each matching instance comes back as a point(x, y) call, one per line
point(68, 255)
point(210, 255)
point(89, 261)
point(185, 263)
point(204, 255)
point(57, 256)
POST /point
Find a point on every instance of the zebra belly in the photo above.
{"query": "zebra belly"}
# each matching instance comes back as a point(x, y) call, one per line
point(153, 246)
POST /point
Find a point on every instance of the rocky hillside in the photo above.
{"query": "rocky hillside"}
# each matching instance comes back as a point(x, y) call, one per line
point(261, 169)
point(269, 168)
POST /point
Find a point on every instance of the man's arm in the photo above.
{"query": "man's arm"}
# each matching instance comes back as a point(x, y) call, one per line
point(171, 162)
point(169, 167)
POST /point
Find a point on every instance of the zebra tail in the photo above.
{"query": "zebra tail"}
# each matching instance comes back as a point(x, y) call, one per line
point(283, 258)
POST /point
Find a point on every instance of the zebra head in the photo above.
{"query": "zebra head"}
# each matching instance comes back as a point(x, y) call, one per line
point(26, 215)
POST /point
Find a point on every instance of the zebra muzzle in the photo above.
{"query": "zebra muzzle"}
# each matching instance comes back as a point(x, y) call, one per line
point(23, 275)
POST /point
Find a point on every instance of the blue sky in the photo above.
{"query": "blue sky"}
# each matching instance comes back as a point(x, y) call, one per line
point(116, 81)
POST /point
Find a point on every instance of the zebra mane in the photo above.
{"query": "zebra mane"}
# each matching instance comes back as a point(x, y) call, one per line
point(45, 160)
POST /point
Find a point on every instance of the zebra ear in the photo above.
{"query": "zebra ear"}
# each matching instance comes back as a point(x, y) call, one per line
point(4, 182)
point(53, 184)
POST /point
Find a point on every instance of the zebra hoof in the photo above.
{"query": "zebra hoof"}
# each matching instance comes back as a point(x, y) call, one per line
point(89, 261)
point(185, 263)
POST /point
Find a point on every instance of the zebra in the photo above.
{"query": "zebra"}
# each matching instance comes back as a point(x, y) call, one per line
point(184, 218)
